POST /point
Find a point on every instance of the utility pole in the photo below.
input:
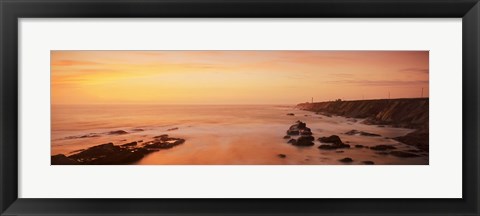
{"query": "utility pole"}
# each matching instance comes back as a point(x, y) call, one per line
point(312, 99)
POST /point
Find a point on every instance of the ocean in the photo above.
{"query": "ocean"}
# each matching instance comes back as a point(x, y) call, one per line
point(220, 134)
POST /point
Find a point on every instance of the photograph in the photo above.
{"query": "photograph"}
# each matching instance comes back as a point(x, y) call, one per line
point(260, 108)
point(239, 107)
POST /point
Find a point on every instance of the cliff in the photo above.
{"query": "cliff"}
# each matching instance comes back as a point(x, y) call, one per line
point(409, 113)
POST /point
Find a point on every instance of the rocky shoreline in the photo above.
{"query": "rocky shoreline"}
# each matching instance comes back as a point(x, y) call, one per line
point(351, 143)
point(300, 135)
point(407, 113)
point(110, 154)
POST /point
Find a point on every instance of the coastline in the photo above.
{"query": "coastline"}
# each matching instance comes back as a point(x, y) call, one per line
point(403, 112)
point(243, 136)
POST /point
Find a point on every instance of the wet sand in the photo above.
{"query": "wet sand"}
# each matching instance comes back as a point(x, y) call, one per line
point(228, 135)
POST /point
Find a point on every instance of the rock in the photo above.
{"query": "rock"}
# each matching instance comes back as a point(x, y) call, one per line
point(103, 147)
point(129, 144)
point(106, 154)
point(301, 125)
point(109, 154)
point(171, 129)
point(417, 138)
point(304, 141)
point(306, 129)
point(307, 137)
point(61, 159)
point(140, 141)
point(368, 162)
point(363, 133)
point(335, 140)
point(298, 127)
point(90, 135)
point(291, 132)
point(137, 129)
point(358, 146)
point(161, 137)
point(331, 139)
point(346, 160)
point(97, 150)
point(340, 151)
point(290, 114)
point(77, 151)
point(117, 132)
point(175, 141)
point(382, 153)
point(286, 137)
point(305, 132)
point(165, 144)
point(159, 145)
point(352, 132)
point(382, 147)
point(414, 150)
point(149, 142)
point(336, 146)
point(403, 154)
point(282, 156)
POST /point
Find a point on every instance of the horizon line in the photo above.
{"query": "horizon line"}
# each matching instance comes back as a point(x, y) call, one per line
point(233, 104)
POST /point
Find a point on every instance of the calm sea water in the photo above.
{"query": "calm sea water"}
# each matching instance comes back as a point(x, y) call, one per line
point(218, 134)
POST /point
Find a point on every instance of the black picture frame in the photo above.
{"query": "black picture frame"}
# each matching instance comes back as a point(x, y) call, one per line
point(12, 10)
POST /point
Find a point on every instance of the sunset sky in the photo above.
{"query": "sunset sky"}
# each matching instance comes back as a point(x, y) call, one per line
point(235, 77)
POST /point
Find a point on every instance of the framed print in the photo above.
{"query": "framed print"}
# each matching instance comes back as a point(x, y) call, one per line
point(246, 108)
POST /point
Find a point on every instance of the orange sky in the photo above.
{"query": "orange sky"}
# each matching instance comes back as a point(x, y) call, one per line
point(234, 77)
